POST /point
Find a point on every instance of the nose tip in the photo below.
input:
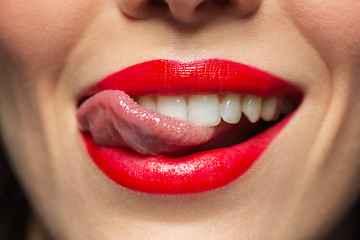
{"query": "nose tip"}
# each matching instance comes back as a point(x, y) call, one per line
point(246, 7)
point(184, 11)
point(188, 11)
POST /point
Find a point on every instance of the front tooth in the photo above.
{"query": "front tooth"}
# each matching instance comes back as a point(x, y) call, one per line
point(268, 111)
point(231, 108)
point(204, 110)
point(172, 106)
point(251, 107)
point(147, 102)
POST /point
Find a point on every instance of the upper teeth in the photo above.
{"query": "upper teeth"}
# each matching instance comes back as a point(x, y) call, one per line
point(208, 110)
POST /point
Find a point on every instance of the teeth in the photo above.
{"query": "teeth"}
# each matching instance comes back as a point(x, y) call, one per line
point(207, 110)
point(147, 102)
point(172, 106)
point(251, 107)
point(269, 105)
point(231, 108)
point(204, 110)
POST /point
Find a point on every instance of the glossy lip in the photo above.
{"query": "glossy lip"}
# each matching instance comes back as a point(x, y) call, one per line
point(202, 171)
point(169, 77)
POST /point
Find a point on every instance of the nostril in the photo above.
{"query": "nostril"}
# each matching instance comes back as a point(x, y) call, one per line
point(158, 3)
point(189, 12)
point(221, 2)
point(200, 6)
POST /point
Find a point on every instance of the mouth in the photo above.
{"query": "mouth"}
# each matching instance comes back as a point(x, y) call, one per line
point(169, 127)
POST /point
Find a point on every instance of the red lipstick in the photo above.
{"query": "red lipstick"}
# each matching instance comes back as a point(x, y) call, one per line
point(193, 173)
point(166, 77)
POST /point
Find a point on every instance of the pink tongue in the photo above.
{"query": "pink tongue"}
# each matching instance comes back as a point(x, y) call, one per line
point(114, 119)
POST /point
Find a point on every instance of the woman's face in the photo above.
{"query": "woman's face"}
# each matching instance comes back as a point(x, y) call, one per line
point(51, 52)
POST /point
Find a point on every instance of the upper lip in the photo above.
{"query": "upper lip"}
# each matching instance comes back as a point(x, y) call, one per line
point(170, 77)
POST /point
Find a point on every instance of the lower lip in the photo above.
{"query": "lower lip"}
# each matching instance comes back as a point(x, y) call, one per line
point(194, 173)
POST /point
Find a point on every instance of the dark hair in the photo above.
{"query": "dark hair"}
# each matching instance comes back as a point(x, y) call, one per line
point(349, 228)
point(13, 204)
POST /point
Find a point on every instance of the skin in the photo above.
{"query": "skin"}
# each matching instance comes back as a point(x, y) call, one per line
point(302, 186)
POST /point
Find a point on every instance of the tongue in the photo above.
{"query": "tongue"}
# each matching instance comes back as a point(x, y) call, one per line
point(113, 119)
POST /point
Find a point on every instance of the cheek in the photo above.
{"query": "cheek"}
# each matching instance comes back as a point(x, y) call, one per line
point(332, 26)
point(39, 33)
